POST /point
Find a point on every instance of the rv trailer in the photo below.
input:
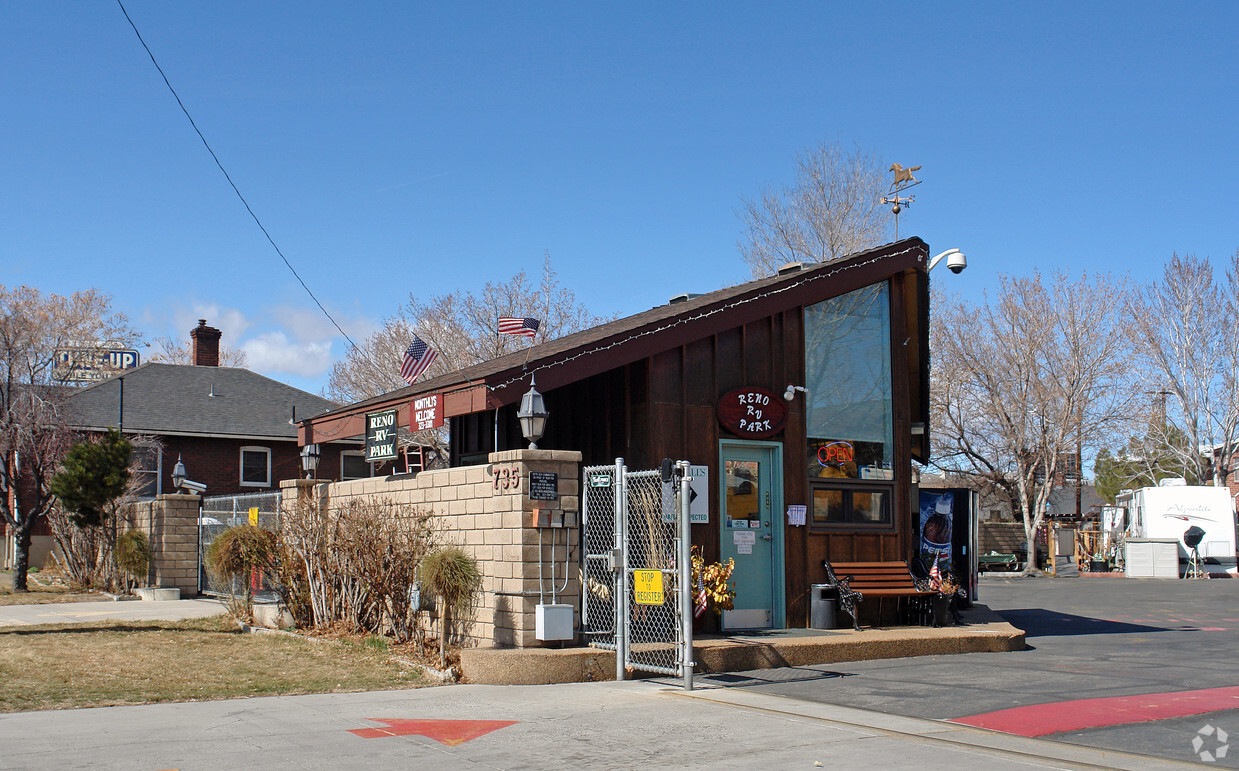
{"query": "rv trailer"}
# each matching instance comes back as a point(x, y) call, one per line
point(1170, 510)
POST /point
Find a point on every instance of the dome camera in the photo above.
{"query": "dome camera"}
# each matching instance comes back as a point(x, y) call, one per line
point(955, 260)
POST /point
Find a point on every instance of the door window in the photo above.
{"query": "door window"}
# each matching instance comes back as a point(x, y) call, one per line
point(743, 482)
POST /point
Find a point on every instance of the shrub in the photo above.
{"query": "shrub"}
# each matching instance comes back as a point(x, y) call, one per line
point(356, 563)
point(452, 576)
point(234, 554)
point(133, 554)
point(241, 549)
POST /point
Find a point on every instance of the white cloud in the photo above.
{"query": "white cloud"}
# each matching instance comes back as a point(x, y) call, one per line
point(180, 319)
point(307, 324)
point(273, 352)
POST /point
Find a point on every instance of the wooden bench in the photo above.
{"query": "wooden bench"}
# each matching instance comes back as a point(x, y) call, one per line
point(855, 581)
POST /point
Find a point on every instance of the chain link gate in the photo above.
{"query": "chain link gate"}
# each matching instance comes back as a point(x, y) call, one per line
point(637, 598)
point(218, 513)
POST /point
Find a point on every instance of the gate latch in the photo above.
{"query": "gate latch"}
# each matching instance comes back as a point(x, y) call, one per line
point(615, 560)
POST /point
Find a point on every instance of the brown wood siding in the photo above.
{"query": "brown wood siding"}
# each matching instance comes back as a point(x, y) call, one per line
point(663, 406)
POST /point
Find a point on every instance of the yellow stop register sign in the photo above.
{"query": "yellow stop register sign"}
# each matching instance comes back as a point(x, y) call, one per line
point(648, 586)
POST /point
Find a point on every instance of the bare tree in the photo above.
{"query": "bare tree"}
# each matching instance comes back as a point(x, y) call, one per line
point(179, 352)
point(462, 328)
point(1185, 331)
point(1018, 383)
point(33, 437)
point(829, 211)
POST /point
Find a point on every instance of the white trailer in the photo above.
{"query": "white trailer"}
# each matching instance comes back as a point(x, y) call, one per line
point(1169, 510)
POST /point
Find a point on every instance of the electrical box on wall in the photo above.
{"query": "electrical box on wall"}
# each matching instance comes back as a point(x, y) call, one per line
point(553, 622)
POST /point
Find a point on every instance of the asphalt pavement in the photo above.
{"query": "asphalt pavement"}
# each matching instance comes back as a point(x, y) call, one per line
point(1106, 650)
point(1090, 641)
point(606, 725)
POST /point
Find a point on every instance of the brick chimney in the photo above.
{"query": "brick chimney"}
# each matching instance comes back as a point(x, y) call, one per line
point(205, 344)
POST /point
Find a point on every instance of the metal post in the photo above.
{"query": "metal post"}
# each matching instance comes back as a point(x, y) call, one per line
point(686, 575)
point(621, 552)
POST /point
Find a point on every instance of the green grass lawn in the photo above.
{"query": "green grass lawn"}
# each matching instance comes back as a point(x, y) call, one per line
point(94, 665)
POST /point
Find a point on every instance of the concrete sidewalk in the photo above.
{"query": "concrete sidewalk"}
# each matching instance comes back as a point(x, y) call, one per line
point(88, 612)
point(631, 724)
point(983, 632)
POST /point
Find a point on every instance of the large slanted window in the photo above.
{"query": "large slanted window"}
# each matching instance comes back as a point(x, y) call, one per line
point(850, 412)
point(255, 467)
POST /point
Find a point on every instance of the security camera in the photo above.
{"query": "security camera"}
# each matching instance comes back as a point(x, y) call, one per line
point(193, 487)
point(957, 262)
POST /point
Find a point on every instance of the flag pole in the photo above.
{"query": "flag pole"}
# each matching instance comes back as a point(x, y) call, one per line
point(498, 342)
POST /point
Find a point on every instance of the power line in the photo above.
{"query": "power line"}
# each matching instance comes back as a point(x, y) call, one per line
point(228, 177)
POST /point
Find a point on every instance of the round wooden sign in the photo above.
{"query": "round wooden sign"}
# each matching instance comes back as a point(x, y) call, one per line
point(752, 412)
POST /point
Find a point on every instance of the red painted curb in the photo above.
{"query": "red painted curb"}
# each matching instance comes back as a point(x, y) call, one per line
point(1056, 717)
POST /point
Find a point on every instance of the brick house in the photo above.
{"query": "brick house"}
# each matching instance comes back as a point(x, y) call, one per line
point(232, 428)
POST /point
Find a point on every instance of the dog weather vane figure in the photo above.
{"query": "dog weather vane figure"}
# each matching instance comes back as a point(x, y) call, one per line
point(903, 181)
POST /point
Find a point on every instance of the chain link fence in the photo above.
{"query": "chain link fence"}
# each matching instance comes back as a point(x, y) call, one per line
point(222, 512)
point(598, 538)
point(654, 630)
point(632, 571)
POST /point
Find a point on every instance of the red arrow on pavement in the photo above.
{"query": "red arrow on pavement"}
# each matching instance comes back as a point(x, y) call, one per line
point(449, 732)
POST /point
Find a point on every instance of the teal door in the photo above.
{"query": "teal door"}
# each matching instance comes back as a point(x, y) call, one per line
point(752, 532)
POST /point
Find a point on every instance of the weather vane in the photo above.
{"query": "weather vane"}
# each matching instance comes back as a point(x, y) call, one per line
point(903, 181)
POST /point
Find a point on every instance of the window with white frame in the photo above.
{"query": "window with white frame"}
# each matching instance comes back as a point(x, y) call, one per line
point(255, 467)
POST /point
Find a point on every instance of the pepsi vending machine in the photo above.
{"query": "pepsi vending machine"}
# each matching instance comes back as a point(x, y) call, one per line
point(947, 535)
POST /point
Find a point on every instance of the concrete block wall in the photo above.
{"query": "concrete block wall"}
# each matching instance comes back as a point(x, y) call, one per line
point(171, 523)
point(526, 548)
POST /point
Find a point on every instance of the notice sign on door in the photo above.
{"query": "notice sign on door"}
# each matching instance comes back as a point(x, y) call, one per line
point(744, 541)
point(648, 587)
point(380, 436)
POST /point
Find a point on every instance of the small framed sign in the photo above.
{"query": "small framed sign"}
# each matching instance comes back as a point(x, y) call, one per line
point(426, 412)
point(543, 486)
point(380, 436)
point(752, 412)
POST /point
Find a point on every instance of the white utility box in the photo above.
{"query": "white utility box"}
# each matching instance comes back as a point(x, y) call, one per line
point(1152, 558)
point(554, 622)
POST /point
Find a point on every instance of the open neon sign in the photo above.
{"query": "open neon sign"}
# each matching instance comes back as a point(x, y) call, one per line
point(835, 454)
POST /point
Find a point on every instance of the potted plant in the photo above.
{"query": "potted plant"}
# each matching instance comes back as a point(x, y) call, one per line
point(946, 603)
point(712, 586)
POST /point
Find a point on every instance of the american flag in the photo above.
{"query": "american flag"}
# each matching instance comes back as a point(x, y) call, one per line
point(701, 598)
point(417, 359)
point(511, 325)
point(935, 575)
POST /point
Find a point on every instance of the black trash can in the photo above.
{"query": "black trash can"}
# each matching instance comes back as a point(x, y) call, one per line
point(821, 606)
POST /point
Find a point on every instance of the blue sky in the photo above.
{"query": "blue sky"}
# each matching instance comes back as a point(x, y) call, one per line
point(427, 148)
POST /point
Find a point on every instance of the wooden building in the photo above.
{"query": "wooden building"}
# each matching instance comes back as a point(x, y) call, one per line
point(705, 379)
